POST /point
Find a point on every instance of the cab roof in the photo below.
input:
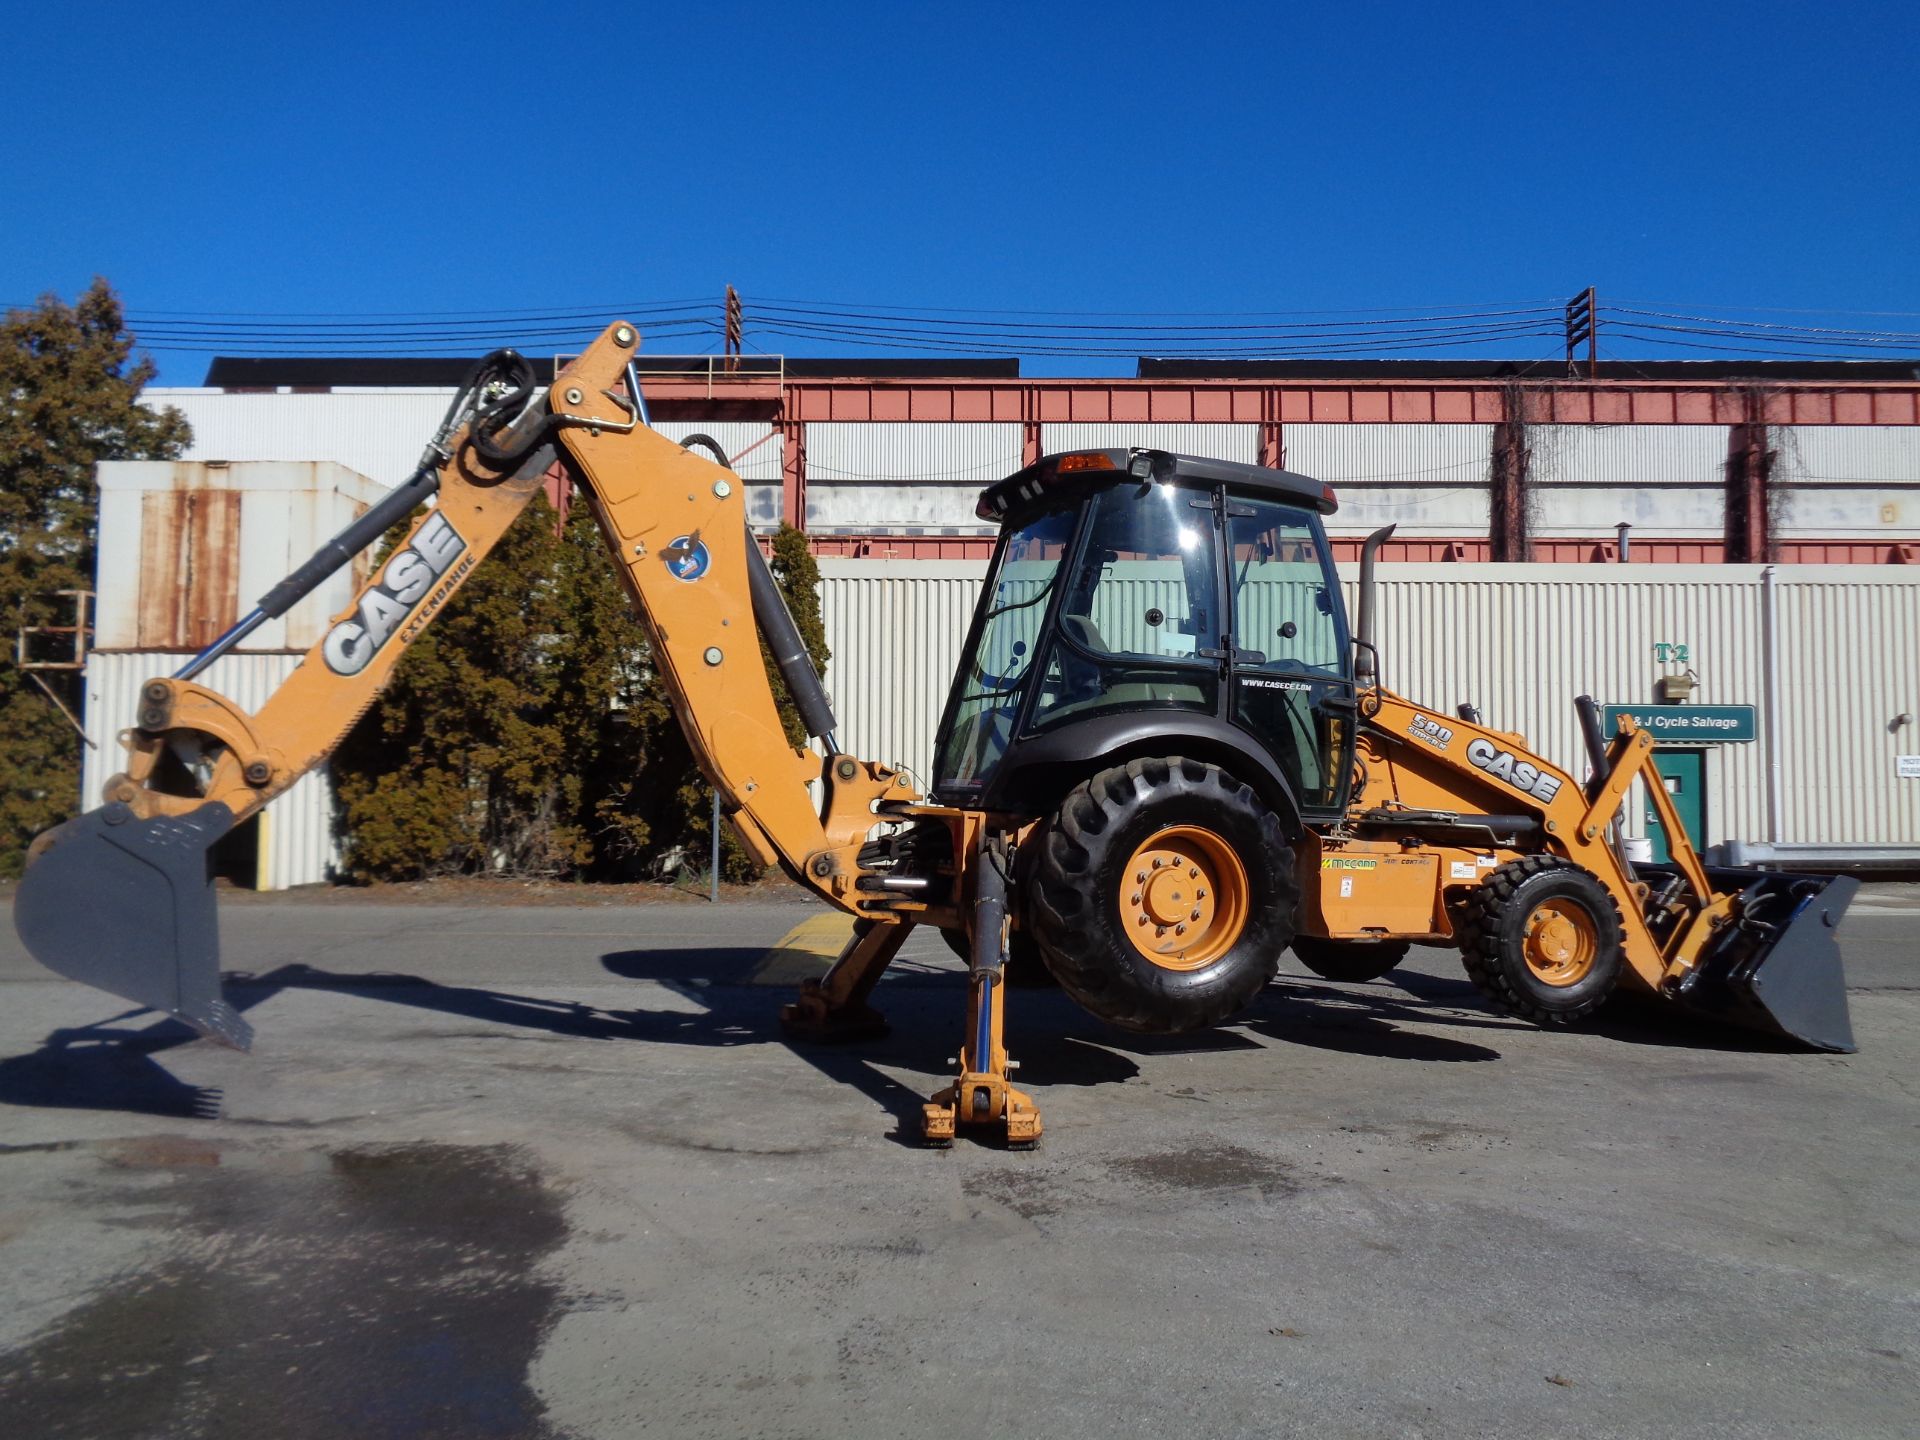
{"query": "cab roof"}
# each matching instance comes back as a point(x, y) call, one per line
point(1079, 470)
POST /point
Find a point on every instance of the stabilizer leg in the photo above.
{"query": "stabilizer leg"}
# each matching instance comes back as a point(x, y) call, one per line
point(981, 1094)
point(833, 1010)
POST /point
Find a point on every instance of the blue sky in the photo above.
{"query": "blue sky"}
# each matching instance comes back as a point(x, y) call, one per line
point(354, 159)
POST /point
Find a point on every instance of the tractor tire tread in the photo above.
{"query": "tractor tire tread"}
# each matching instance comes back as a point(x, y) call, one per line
point(1480, 917)
point(1064, 892)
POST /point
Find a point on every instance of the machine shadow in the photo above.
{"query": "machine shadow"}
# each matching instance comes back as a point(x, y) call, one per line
point(106, 1066)
point(113, 1064)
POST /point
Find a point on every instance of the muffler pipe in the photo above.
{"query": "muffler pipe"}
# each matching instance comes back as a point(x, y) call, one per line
point(1366, 659)
point(1596, 739)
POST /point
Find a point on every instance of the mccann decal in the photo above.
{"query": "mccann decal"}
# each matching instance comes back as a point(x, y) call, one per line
point(409, 575)
point(1505, 765)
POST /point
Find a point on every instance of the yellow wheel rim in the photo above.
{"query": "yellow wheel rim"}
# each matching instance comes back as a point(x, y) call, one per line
point(1185, 898)
point(1562, 942)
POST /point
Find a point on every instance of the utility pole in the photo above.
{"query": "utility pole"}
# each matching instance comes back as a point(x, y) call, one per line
point(736, 329)
point(1583, 327)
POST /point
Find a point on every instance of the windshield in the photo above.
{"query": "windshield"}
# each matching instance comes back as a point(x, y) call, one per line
point(993, 678)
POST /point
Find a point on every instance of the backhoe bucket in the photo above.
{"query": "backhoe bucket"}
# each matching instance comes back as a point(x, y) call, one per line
point(126, 905)
point(1777, 968)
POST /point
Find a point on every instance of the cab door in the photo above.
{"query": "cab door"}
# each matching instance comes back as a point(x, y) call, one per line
point(1291, 682)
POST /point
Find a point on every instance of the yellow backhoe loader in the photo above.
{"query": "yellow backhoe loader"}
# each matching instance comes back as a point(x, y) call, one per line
point(1163, 760)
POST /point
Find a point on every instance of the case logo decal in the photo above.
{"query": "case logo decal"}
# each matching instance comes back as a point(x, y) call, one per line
point(1504, 765)
point(408, 576)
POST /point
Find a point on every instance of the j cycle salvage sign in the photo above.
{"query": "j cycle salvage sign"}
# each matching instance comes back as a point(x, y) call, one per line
point(1686, 724)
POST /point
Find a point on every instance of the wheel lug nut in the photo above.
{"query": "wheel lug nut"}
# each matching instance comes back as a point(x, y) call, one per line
point(1142, 920)
point(1136, 898)
point(1158, 862)
point(1193, 873)
point(1194, 916)
point(1179, 929)
point(1139, 877)
point(1199, 894)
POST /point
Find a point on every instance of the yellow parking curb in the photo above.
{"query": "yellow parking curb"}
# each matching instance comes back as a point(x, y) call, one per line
point(805, 952)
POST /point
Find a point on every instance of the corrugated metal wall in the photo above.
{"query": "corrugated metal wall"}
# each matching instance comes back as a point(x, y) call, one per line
point(1519, 642)
point(1220, 442)
point(1667, 480)
point(1850, 658)
point(906, 476)
point(298, 827)
point(378, 432)
point(1858, 481)
point(895, 628)
point(1425, 479)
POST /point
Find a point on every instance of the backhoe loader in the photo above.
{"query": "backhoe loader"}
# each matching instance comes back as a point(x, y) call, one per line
point(1163, 760)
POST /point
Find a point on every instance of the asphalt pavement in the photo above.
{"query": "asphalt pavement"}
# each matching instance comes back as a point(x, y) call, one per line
point(553, 1171)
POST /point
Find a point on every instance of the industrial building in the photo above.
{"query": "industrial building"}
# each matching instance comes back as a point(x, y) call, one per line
point(1719, 535)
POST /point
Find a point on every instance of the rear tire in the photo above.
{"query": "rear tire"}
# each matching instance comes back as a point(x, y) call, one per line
point(1353, 961)
point(1163, 895)
point(1543, 940)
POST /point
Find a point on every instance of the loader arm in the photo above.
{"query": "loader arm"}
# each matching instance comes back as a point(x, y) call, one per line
point(121, 897)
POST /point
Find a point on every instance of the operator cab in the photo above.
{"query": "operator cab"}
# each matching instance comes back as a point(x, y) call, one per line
point(1142, 602)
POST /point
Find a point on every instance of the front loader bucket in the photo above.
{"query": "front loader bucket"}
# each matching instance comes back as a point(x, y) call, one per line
point(1777, 968)
point(126, 905)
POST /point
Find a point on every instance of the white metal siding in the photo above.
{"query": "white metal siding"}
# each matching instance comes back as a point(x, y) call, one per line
point(895, 628)
point(1217, 442)
point(904, 475)
point(1430, 480)
point(380, 433)
point(298, 825)
point(1857, 453)
point(1853, 481)
point(1850, 663)
point(1519, 642)
point(1666, 480)
point(758, 452)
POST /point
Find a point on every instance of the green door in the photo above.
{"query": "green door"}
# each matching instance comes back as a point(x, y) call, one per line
point(1685, 772)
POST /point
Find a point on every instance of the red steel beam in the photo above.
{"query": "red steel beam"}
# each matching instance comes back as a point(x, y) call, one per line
point(1253, 402)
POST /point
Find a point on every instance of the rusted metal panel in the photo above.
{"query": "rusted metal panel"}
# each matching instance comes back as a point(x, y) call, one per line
point(189, 567)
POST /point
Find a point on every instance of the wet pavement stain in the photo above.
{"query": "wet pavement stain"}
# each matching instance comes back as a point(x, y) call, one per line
point(1213, 1166)
point(375, 1292)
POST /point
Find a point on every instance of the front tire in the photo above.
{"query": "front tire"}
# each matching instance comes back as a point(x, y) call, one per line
point(1543, 940)
point(1163, 895)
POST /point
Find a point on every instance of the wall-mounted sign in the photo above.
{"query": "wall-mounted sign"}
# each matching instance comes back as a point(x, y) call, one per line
point(1669, 653)
point(1686, 724)
point(1907, 767)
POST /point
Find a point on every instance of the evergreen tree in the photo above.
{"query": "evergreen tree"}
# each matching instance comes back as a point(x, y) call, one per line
point(69, 389)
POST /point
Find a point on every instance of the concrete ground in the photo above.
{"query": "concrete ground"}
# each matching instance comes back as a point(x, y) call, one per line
point(506, 1172)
